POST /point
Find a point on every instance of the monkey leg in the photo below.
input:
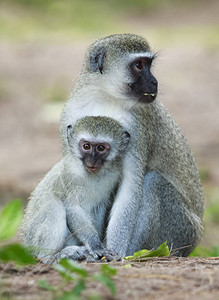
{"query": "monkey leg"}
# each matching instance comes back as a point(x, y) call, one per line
point(164, 216)
point(44, 227)
point(44, 230)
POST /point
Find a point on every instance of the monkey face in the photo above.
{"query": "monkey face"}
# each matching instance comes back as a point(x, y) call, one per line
point(93, 154)
point(144, 87)
point(122, 64)
point(133, 81)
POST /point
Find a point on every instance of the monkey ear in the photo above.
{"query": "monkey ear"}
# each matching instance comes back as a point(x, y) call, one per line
point(97, 59)
point(69, 134)
point(126, 139)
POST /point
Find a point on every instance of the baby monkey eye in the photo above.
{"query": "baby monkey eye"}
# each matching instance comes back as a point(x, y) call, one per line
point(86, 146)
point(101, 148)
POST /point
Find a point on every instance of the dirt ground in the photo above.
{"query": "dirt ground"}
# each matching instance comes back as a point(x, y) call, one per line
point(158, 278)
point(31, 72)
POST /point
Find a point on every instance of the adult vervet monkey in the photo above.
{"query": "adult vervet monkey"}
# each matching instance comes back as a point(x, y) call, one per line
point(160, 196)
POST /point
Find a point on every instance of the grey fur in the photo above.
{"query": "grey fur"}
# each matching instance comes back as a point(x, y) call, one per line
point(66, 213)
point(160, 197)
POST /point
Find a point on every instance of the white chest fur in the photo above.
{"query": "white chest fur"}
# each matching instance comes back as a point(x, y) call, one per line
point(97, 189)
point(97, 103)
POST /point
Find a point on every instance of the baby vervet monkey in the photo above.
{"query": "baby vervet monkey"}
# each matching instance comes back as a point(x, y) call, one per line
point(66, 214)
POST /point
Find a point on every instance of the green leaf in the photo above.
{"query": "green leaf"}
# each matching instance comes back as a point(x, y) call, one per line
point(72, 266)
point(45, 285)
point(205, 252)
point(107, 281)
point(65, 274)
point(78, 288)
point(68, 296)
point(10, 219)
point(141, 253)
point(108, 270)
point(94, 297)
point(162, 250)
point(17, 254)
point(127, 266)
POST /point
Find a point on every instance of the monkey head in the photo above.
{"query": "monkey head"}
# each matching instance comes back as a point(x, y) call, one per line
point(97, 142)
point(121, 65)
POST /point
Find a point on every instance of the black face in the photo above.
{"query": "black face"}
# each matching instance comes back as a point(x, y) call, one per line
point(145, 84)
point(93, 154)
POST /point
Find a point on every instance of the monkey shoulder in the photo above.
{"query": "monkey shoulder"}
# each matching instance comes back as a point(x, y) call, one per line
point(94, 103)
point(47, 184)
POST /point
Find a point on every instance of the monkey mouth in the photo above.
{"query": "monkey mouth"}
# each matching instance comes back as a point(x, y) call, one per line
point(142, 96)
point(92, 169)
point(148, 97)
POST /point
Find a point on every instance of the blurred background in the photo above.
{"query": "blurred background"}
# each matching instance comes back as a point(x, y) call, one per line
point(42, 45)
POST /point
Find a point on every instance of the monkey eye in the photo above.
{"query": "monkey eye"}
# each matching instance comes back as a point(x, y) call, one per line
point(101, 148)
point(139, 65)
point(86, 146)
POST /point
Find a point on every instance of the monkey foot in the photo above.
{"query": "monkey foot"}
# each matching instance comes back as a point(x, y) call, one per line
point(103, 255)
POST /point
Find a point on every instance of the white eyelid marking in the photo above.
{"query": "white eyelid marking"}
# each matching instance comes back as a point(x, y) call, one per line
point(141, 54)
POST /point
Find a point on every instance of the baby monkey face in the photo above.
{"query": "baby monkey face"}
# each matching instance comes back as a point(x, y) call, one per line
point(93, 154)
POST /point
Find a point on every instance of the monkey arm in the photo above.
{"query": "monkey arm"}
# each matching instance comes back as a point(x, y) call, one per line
point(125, 208)
point(80, 224)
